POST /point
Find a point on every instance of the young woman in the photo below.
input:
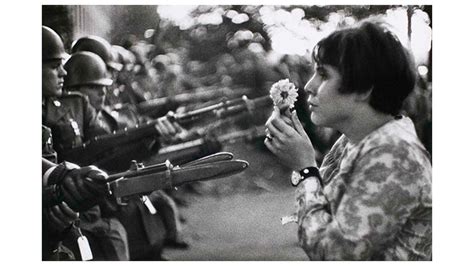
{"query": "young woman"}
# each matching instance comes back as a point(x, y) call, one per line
point(371, 197)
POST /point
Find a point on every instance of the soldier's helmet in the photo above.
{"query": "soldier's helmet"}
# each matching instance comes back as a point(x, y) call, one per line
point(53, 46)
point(85, 68)
point(125, 57)
point(99, 46)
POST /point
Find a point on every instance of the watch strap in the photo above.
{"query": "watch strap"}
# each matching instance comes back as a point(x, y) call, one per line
point(310, 171)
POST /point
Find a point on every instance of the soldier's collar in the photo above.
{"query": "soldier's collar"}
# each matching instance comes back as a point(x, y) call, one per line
point(54, 100)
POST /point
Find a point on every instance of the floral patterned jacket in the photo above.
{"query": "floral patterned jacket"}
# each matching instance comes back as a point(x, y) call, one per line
point(375, 200)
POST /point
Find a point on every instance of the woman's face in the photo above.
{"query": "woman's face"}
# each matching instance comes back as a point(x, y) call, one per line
point(96, 95)
point(53, 78)
point(329, 108)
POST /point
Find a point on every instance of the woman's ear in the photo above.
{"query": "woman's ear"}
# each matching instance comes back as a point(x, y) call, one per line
point(364, 96)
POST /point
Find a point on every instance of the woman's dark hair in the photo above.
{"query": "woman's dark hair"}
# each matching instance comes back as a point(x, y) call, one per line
point(370, 57)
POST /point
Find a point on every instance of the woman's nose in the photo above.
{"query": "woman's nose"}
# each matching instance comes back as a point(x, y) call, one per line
point(312, 85)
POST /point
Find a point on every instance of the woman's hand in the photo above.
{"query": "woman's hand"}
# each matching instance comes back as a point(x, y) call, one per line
point(287, 139)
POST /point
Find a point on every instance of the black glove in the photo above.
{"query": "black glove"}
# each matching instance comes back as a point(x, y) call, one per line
point(59, 218)
point(81, 188)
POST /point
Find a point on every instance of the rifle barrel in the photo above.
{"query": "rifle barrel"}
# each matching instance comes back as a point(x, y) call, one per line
point(199, 96)
point(195, 114)
point(247, 104)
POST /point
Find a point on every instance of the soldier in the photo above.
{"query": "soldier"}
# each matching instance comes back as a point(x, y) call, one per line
point(127, 70)
point(102, 48)
point(87, 74)
point(67, 190)
point(127, 91)
point(70, 118)
point(72, 121)
point(55, 219)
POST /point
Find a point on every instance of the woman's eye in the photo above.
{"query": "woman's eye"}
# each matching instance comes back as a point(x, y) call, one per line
point(322, 73)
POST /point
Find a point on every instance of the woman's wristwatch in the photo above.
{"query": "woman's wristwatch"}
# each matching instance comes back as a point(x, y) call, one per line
point(298, 176)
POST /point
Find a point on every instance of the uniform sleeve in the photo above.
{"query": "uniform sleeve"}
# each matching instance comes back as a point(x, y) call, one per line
point(92, 125)
point(127, 116)
point(374, 201)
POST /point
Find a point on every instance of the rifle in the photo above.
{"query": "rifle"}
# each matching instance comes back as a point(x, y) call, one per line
point(206, 145)
point(100, 146)
point(200, 95)
point(141, 180)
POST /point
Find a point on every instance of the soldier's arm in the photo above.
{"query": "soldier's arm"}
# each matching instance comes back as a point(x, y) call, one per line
point(56, 218)
point(374, 203)
point(79, 187)
point(47, 167)
point(92, 125)
point(128, 115)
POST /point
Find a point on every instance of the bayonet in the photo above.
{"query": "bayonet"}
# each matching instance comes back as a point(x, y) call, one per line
point(141, 180)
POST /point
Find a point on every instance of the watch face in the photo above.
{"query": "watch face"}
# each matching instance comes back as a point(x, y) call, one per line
point(295, 178)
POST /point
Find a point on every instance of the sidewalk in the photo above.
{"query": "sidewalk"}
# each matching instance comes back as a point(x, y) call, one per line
point(239, 227)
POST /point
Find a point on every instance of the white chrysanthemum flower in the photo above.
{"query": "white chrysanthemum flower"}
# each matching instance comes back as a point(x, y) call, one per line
point(284, 93)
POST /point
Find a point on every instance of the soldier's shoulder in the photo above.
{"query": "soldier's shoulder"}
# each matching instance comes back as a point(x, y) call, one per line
point(72, 95)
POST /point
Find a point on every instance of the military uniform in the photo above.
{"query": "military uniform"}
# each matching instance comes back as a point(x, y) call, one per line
point(73, 121)
point(50, 240)
point(118, 160)
point(119, 117)
point(53, 249)
point(126, 115)
point(47, 145)
point(146, 232)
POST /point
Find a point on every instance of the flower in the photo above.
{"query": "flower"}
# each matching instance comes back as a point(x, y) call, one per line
point(284, 93)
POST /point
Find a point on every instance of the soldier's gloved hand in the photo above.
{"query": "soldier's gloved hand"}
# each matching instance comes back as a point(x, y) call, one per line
point(80, 187)
point(170, 132)
point(60, 217)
